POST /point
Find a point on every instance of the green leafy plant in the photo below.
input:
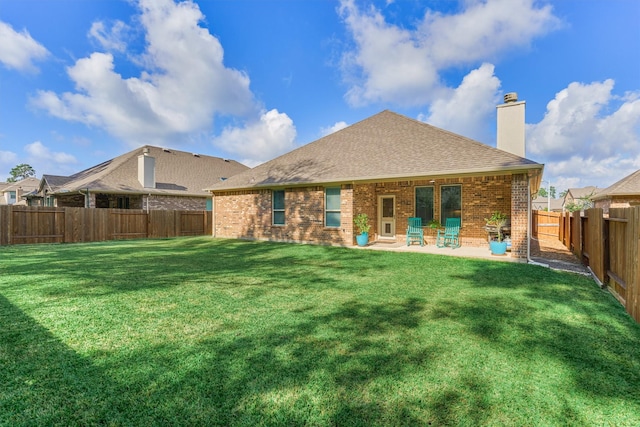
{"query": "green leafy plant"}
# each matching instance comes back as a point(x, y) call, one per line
point(361, 222)
point(497, 220)
point(434, 223)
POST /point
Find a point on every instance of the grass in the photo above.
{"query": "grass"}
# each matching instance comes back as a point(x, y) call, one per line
point(200, 331)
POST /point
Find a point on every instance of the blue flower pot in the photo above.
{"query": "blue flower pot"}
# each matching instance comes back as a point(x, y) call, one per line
point(362, 239)
point(498, 248)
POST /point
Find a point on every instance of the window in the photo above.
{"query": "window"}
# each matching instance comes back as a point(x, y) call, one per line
point(12, 196)
point(332, 207)
point(123, 203)
point(450, 202)
point(278, 207)
point(424, 204)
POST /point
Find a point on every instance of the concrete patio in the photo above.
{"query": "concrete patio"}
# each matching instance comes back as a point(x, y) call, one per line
point(463, 251)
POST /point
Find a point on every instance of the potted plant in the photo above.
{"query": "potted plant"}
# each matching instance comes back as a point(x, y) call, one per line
point(495, 224)
point(361, 222)
point(434, 224)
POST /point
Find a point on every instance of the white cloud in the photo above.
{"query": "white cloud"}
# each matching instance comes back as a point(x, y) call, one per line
point(8, 160)
point(588, 136)
point(39, 152)
point(261, 140)
point(468, 108)
point(19, 50)
point(110, 39)
point(184, 82)
point(335, 128)
point(404, 66)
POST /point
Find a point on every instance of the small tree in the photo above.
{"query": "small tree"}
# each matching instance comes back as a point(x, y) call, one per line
point(21, 172)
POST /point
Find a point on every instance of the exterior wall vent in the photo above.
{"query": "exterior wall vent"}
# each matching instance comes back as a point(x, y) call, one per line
point(510, 97)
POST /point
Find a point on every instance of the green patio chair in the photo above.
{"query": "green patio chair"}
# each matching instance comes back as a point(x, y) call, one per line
point(415, 232)
point(450, 235)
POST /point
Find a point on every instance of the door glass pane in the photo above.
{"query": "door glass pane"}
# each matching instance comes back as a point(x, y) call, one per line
point(387, 208)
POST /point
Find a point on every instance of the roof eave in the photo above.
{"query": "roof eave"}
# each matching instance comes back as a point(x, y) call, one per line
point(510, 170)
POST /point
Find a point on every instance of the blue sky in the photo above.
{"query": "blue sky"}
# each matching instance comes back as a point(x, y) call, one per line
point(85, 81)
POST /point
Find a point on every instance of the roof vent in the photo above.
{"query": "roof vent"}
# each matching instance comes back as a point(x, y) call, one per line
point(227, 160)
point(145, 151)
point(510, 97)
point(196, 155)
point(166, 150)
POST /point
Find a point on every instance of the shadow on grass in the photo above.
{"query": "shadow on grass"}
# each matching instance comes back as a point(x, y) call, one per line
point(353, 364)
point(528, 312)
point(322, 371)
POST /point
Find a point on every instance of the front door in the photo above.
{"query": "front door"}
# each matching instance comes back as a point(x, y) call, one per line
point(387, 215)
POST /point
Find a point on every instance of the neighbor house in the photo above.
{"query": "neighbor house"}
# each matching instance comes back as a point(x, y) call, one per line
point(579, 198)
point(146, 178)
point(622, 194)
point(541, 203)
point(389, 167)
point(12, 193)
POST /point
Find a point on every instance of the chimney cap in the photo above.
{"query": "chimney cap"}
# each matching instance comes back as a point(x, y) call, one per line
point(510, 97)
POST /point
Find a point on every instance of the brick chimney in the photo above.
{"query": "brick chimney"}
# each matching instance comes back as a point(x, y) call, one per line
point(510, 130)
point(147, 169)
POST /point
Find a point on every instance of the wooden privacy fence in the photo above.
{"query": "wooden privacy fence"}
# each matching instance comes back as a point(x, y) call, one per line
point(545, 225)
point(610, 246)
point(22, 224)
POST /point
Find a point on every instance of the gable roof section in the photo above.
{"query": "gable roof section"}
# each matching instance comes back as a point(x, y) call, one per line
point(627, 186)
point(176, 172)
point(584, 192)
point(384, 146)
point(27, 184)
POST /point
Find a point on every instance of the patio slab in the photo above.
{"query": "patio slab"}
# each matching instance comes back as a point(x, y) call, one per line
point(463, 251)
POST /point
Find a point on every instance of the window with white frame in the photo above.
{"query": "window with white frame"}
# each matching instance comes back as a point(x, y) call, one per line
point(277, 208)
point(332, 207)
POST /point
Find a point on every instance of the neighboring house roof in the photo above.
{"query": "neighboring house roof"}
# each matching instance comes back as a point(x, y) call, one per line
point(176, 173)
point(27, 184)
point(384, 146)
point(541, 203)
point(627, 186)
point(577, 193)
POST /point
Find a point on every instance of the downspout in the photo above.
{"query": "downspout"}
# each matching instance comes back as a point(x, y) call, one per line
point(529, 260)
point(213, 215)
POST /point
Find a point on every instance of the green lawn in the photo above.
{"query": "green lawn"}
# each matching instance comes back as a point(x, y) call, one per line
point(199, 331)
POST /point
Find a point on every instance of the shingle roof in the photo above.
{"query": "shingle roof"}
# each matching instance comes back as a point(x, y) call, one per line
point(578, 193)
point(27, 184)
point(384, 146)
point(176, 172)
point(627, 186)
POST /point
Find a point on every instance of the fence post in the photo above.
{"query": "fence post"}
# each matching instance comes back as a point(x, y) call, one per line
point(633, 262)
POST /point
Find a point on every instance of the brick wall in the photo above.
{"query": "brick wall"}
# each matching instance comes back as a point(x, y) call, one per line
point(177, 203)
point(519, 215)
point(481, 196)
point(247, 214)
point(616, 202)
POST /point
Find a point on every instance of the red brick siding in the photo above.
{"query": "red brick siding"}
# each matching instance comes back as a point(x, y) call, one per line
point(247, 214)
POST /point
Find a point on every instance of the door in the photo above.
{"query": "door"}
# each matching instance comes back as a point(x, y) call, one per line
point(387, 215)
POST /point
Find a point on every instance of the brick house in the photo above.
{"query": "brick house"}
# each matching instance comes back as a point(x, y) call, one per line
point(622, 194)
point(147, 178)
point(579, 198)
point(390, 167)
